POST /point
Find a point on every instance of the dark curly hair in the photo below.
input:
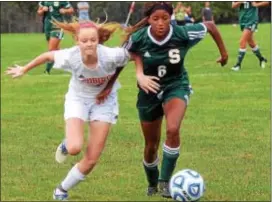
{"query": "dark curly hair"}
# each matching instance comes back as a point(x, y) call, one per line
point(147, 10)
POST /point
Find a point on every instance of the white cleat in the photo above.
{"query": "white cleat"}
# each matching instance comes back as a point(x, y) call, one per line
point(59, 195)
point(61, 153)
point(236, 68)
point(263, 63)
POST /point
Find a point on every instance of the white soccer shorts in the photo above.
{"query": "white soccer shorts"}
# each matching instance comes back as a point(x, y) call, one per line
point(88, 110)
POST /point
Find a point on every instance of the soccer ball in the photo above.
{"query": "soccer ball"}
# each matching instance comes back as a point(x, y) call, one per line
point(186, 185)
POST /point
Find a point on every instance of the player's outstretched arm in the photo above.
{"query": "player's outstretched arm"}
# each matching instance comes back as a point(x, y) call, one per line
point(147, 83)
point(212, 29)
point(236, 4)
point(260, 3)
point(107, 90)
point(18, 71)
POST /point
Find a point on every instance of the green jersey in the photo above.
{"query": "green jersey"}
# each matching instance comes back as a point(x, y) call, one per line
point(165, 59)
point(53, 12)
point(248, 13)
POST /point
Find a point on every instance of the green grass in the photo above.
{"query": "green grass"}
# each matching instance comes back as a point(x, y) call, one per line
point(225, 134)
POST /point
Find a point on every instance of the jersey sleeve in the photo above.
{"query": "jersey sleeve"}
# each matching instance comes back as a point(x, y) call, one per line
point(61, 59)
point(131, 45)
point(195, 33)
point(121, 57)
point(134, 42)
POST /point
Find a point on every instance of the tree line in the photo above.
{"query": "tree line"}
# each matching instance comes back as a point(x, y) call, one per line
point(19, 17)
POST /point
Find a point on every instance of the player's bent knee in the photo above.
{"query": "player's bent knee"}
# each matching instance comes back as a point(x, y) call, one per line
point(172, 131)
point(74, 149)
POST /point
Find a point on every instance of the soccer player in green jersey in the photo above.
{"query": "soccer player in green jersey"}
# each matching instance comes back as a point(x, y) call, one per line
point(163, 48)
point(53, 10)
point(248, 20)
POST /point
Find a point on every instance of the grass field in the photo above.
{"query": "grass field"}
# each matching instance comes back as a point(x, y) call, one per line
point(225, 134)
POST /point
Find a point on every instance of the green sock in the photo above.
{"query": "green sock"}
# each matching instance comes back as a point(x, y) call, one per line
point(257, 52)
point(170, 156)
point(241, 56)
point(152, 172)
point(49, 66)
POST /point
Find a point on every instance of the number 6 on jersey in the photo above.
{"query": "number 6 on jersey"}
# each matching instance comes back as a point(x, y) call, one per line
point(162, 70)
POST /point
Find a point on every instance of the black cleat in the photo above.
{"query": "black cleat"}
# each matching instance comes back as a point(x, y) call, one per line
point(164, 189)
point(152, 191)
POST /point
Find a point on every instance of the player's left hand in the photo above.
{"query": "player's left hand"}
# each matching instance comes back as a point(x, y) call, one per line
point(15, 72)
point(62, 11)
point(223, 60)
point(102, 96)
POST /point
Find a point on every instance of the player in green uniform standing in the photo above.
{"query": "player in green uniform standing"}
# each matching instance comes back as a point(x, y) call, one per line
point(162, 48)
point(248, 20)
point(53, 10)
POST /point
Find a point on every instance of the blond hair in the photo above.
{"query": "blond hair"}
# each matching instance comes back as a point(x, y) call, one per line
point(105, 30)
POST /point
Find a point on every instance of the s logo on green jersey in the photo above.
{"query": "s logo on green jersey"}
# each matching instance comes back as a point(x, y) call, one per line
point(174, 56)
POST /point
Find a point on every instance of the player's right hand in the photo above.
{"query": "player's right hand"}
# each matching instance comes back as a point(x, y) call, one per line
point(223, 60)
point(45, 8)
point(15, 72)
point(103, 95)
point(148, 83)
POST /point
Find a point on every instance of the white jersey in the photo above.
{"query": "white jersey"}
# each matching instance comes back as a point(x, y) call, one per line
point(86, 82)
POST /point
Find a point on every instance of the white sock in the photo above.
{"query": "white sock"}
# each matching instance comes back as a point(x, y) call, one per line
point(255, 48)
point(72, 179)
point(153, 164)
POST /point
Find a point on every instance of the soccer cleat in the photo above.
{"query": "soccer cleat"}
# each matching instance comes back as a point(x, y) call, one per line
point(152, 191)
point(46, 72)
point(263, 62)
point(164, 189)
point(236, 68)
point(60, 195)
point(61, 153)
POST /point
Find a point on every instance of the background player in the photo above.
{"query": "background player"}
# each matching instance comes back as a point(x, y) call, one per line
point(248, 20)
point(53, 10)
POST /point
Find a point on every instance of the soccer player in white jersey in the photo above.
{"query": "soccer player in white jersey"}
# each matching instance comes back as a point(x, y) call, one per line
point(91, 65)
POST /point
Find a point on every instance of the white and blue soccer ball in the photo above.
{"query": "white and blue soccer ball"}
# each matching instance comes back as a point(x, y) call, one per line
point(186, 185)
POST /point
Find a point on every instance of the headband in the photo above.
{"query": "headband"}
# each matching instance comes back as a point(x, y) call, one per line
point(87, 25)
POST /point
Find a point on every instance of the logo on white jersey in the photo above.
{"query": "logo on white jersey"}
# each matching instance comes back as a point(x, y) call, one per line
point(147, 55)
point(95, 81)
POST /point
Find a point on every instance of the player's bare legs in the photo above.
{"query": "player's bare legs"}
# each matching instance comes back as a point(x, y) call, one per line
point(97, 138)
point(246, 34)
point(53, 44)
point(98, 134)
point(174, 111)
point(74, 132)
point(152, 135)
